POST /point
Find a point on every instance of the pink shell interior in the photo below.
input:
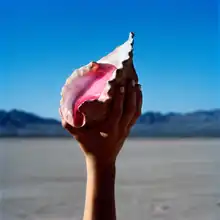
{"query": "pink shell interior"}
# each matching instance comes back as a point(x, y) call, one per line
point(90, 86)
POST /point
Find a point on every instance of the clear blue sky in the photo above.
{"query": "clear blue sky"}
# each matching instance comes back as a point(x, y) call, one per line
point(176, 50)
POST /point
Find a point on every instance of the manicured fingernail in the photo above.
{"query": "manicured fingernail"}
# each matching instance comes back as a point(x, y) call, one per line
point(133, 83)
point(122, 89)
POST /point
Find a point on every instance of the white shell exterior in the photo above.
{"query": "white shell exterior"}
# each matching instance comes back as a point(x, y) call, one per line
point(116, 58)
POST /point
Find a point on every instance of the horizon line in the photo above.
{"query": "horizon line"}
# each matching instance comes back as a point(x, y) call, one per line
point(148, 111)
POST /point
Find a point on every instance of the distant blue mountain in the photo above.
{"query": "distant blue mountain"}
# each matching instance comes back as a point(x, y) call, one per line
point(193, 124)
point(23, 124)
point(17, 123)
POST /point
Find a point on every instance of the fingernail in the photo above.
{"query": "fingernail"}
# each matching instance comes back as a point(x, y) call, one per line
point(122, 89)
point(133, 83)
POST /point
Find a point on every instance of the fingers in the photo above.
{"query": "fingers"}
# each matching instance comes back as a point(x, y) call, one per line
point(70, 128)
point(67, 126)
point(139, 101)
point(129, 105)
point(117, 108)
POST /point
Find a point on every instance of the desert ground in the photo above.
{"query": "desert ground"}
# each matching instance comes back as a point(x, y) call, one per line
point(44, 179)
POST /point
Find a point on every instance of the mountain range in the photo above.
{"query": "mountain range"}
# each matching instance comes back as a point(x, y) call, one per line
point(17, 123)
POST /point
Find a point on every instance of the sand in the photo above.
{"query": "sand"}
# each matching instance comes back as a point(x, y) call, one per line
point(44, 179)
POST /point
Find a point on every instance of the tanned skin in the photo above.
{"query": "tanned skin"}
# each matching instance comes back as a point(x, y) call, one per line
point(101, 145)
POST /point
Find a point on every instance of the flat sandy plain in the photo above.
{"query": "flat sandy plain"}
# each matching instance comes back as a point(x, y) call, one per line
point(44, 179)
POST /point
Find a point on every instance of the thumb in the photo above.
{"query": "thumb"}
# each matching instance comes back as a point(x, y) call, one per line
point(72, 130)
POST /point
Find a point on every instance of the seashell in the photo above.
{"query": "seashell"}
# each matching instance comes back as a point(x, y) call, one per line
point(87, 93)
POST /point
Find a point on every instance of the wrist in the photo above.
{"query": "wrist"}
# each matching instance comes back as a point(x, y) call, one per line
point(99, 166)
point(100, 193)
point(102, 178)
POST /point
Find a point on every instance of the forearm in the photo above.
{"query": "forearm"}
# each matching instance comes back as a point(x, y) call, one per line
point(100, 192)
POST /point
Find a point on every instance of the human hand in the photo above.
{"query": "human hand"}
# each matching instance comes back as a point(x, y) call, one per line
point(103, 142)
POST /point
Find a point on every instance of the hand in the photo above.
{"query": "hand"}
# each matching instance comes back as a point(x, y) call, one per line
point(103, 142)
point(101, 145)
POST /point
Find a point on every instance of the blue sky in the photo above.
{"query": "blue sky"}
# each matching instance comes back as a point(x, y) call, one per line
point(176, 48)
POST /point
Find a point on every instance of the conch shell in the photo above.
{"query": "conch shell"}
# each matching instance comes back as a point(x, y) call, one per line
point(87, 93)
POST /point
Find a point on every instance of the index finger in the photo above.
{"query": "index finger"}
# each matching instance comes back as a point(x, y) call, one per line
point(72, 130)
point(117, 107)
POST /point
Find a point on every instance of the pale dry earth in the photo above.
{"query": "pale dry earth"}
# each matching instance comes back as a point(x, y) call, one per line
point(44, 179)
